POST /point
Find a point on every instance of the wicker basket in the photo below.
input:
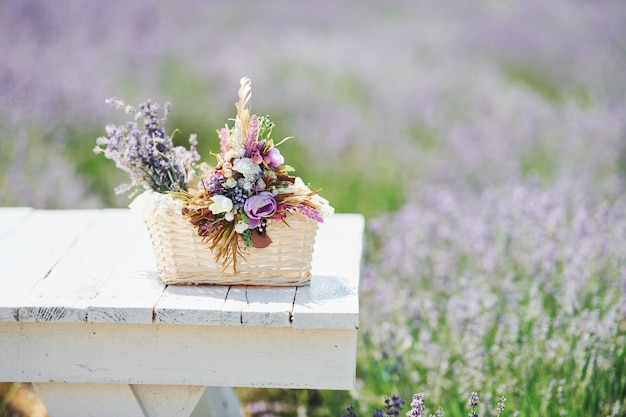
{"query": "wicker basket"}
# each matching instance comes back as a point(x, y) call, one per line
point(183, 258)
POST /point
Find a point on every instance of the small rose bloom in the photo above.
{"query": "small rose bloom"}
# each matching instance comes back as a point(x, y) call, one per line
point(273, 158)
point(246, 167)
point(230, 183)
point(220, 204)
point(259, 206)
point(257, 159)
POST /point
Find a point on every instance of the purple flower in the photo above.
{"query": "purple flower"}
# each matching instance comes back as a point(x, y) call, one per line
point(309, 212)
point(473, 403)
point(417, 406)
point(350, 410)
point(148, 153)
point(273, 158)
point(393, 405)
point(259, 206)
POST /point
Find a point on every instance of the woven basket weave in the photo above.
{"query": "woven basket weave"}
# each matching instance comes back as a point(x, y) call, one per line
point(183, 258)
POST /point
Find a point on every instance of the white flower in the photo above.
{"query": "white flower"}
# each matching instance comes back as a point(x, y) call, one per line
point(322, 206)
point(220, 204)
point(246, 167)
point(241, 227)
point(298, 186)
point(229, 217)
point(230, 183)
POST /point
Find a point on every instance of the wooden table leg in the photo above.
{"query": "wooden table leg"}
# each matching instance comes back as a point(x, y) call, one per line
point(218, 402)
point(115, 400)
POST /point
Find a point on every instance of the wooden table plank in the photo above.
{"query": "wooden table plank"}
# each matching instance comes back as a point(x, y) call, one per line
point(268, 306)
point(232, 309)
point(332, 299)
point(127, 289)
point(12, 217)
point(134, 288)
point(193, 305)
point(234, 356)
point(29, 251)
point(66, 292)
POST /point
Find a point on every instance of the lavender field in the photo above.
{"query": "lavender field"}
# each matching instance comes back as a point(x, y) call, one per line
point(485, 142)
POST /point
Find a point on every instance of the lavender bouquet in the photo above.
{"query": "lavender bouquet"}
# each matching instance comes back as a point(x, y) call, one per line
point(146, 152)
point(234, 207)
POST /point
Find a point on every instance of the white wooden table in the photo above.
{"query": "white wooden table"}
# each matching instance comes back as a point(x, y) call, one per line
point(85, 318)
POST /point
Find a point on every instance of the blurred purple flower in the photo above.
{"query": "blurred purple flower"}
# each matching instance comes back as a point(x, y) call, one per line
point(417, 406)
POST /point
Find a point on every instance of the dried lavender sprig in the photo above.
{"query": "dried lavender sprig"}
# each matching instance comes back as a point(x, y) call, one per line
point(148, 154)
point(417, 406)
point(473, 403)
point(393, 405)
point(350, 410)
point(500, 405)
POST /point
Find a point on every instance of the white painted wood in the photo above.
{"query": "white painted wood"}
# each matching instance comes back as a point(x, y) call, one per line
point(180, 355)
point(93, 400)
point(332, 299)
point(66, 292)
point(112, 400)
point(29, 251)
point(222, 305)
point(268, 306)
point(233, 307)
point(81, 303)
point(131, 292)
point(339, 246)
point(218, 402)
point(194, 305)
point(338, 299)
point(12, 217)
point(115, 281)
point(168, 400)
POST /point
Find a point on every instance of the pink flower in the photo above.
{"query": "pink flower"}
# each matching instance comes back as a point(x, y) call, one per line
point(224, 146)
point(259, 206)
point(252, 135)
point(280, 213)
point(257, 159)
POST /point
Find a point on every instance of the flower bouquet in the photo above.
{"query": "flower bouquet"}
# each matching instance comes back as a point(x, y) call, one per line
point(246, 220)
